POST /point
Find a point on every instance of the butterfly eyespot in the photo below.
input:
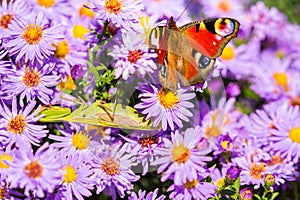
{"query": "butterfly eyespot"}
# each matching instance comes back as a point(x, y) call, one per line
point(204, 62)
point(224, 27)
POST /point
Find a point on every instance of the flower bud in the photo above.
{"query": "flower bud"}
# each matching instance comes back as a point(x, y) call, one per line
point(233, 172)
point(269, 180)
point(246, 194)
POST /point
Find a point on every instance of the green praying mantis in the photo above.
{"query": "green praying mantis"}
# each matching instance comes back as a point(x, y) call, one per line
point(99, 114)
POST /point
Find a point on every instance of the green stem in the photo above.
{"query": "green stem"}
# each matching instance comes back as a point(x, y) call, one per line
point(103, 32)
point(296, 197)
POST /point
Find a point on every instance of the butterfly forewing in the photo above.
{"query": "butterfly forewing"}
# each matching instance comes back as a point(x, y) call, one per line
point(210, 36)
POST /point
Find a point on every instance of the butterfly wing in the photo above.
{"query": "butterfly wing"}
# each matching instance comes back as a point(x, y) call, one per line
point(160, 40)
point(210, 36)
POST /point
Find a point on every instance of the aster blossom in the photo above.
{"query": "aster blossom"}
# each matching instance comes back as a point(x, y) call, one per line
point(181, 156)
point(73, 142)
point(122, 13)
point(132, 56)
point(167, 107)
point(31, 82)
point(37, 172)
point(20, 125)
point(76, 178)
point(150, 196)
point(31, 39)
point(112, 171)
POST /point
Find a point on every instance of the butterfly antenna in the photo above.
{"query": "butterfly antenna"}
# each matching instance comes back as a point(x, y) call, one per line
point(184, 10)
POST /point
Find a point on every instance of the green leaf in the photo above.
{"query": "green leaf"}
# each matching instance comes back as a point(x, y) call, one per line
point(102, 114)
point(274, 195)
point(257, 196)
point(227, 192)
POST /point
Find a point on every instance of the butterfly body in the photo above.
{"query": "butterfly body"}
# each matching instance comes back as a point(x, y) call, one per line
point(188, 53)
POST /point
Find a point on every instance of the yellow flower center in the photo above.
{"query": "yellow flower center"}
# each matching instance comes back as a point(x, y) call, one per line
point(276, 159)
point(294, 134)
point(83, 11)
point(226, 145)
point(33, 34)
point(224, 6)
point(113, 6)
point(46, 3)
point(33, 170)
point(17, 124)
point(31, 77)
point(281, 79)
point(220, 183)
point(228, 53)
point(5, 20)
point(134, 56)
point(110, 166)
point(4, 157)
point(148, 142)
point(68, 84)
point(80, 141)
point(167, 99)
point(213, 130)
point(79, 31)
point(61, 49)
point(190, 184)
point(180, 153)
point(256, 170)
point(70, 175)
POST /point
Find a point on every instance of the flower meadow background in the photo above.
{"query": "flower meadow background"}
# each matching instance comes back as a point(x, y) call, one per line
point(237, 136)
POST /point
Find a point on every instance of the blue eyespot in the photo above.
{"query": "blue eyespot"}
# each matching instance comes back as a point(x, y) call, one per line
point(204, 61)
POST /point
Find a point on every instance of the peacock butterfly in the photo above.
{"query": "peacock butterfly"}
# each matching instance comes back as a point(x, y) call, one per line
point(189, 52)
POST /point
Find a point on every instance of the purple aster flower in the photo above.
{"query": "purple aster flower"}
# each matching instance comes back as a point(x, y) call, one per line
point(154, 7)
point(144, 146)
point(239, 62)
point(263, 121)
point(54, 10)
point(112, 171)
point(150, 196)
point(77, 181)
point(32, 82)
point(195, 189)
point(257, 163)
point(37, 172)
point(246, 193)
point(14, 10)
point(31, 39)
point(218, 176)
point(275, 80)
point(168, 107)
point(286, 140)
point(122, 13)
point(73, 142)
point(265, 19)
point(20, 124)
point(181, 157)
point(221, 121)
point(132, 56)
